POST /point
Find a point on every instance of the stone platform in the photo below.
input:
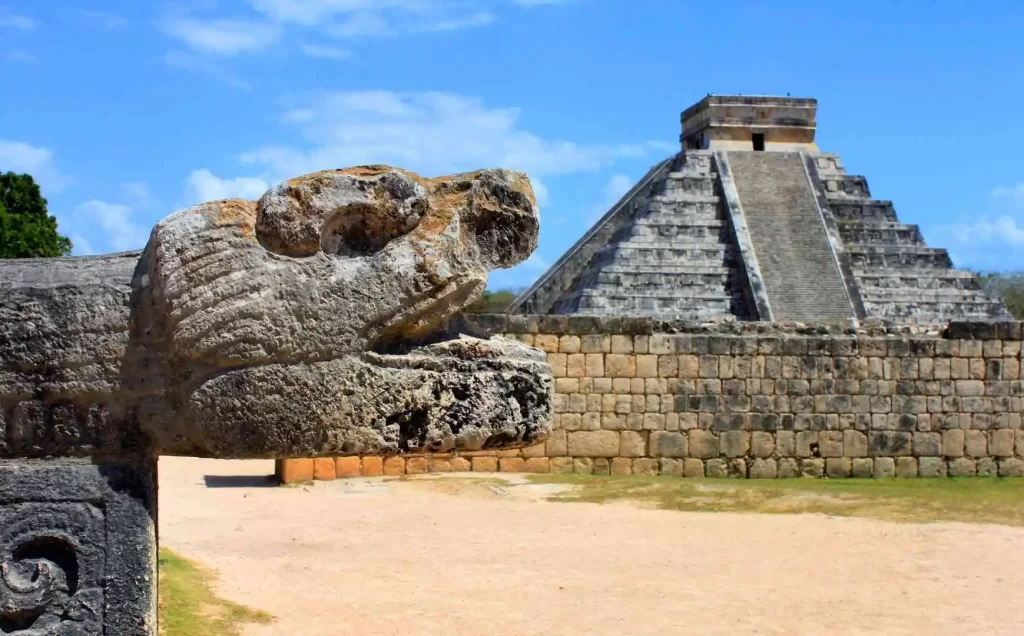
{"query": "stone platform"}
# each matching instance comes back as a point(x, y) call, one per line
point(755, 400)
point(751, 221)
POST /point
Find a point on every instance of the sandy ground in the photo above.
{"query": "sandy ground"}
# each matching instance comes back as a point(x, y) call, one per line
point(429, 556)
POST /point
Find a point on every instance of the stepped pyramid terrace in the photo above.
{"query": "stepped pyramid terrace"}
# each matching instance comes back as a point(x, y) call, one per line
point(751, 221)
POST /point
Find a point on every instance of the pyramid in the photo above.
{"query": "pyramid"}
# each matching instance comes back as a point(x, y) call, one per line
point(750, 221)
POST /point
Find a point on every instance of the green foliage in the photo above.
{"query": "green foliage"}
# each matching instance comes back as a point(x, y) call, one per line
point(1010, 286)
point(493, 302)
point(26, 229)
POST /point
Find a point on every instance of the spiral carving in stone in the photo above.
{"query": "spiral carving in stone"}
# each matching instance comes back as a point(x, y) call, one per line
point(51, 569)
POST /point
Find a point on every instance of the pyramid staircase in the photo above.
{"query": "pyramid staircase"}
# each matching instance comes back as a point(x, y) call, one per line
point(900, 278)
point(752, 222)
point(673, 259)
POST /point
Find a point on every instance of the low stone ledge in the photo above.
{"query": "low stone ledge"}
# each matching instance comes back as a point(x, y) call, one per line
point(641, 326)
point(692, 467)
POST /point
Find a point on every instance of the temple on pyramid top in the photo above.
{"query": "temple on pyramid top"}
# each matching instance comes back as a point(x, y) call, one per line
point(750, 123)
point(751, 221)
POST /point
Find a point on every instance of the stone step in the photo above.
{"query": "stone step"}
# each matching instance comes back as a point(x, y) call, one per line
point(797, 265)
point(915, 294)
point(880, 233)
point(672, 232)
point(673, 252)
point(898, 256)
point(686, 269)
point(632, 305)
point(714, 314)
point(683, 218)
point(692, 173)
point(938, 312)
point(675, 294)
point(861, 209)
point(704, 186)
point(674, 199)
point(603, 278)
point(679, 242)
point(721, 290)
point(679, 216)
point(828, 163)
point(686, 237)
point(693, 162)
point(915, 279)
point(694, 291)
point(845, 186)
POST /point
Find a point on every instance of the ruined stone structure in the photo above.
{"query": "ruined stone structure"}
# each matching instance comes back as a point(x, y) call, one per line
point(636, 395)
point(313, 322)
point(752, 222)
point(748, 309)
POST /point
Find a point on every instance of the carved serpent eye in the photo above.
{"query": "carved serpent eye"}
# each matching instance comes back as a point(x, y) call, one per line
point(342, 213)
point(362, 229)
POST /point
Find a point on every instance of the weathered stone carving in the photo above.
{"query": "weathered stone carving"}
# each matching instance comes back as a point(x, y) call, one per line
point(284, 327)
point(77, 547)
point(319, 320)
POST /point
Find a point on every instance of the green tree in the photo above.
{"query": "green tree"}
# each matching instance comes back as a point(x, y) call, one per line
point(1010, 286)
point(26, 229)
point(493, 302)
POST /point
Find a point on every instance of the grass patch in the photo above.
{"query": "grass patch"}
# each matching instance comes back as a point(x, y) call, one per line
point(974, 500)
point(188, 606)
point(461, 486)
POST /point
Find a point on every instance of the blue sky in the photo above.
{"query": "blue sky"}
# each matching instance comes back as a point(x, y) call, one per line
point(126, 111)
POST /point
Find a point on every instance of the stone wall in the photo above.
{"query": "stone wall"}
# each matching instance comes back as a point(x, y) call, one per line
point(755, 400)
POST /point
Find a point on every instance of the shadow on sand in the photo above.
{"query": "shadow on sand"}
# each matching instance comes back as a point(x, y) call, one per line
point(239, 481)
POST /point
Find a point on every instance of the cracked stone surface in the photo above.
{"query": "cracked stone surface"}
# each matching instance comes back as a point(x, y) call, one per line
point(317, 320)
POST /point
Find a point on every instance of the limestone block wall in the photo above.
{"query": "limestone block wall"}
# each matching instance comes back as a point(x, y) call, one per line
point(755, 400)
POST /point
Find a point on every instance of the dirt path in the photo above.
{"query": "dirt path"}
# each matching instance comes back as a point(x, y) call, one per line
point(370, 558)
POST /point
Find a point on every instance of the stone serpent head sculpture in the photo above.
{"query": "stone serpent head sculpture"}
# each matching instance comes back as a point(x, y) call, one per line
point(314, 321)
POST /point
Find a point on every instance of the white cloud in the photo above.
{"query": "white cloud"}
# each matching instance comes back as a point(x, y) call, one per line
point(540, 190)
point(226, 36)
point(366, 24)
point(535, 263)
point(187, 62)
point(21, 157)
point(104, 19)
point(989, 242)
point(1003, 230)
point(313, 12)
point(1012, 192)
point(17, 21)
point(80, 246)
point(121, 231)
point(19, 55)
point(433, 133)
point(317, 12)
point(616, 186)
point(326, 51)
point(202, 186)
point(138, 193)
point(222, 37)
point(444, 25)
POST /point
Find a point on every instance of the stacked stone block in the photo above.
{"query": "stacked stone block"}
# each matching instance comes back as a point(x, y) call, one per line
point(797, 262)
point(898, 276)
point(636, 396)
point(675, 257)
